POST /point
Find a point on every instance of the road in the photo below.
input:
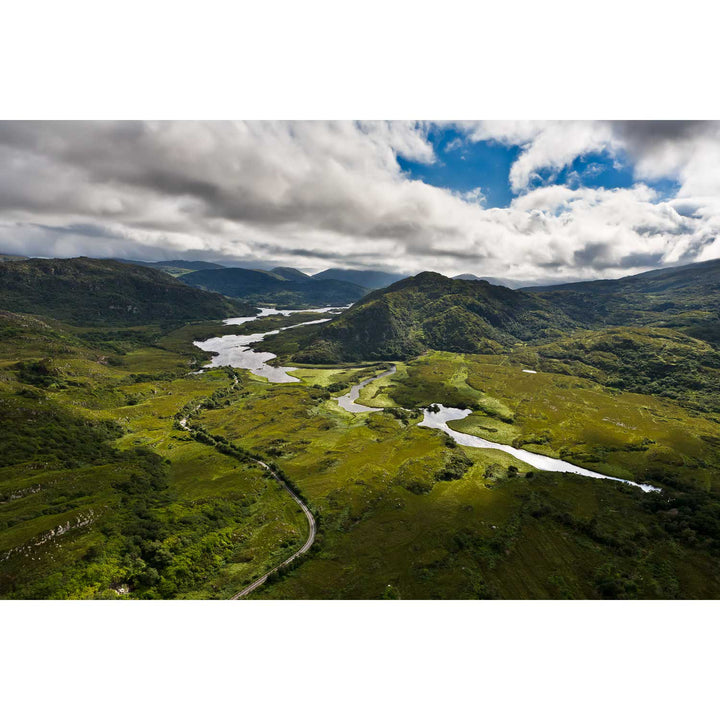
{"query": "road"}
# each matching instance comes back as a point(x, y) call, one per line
point(308, 543)
point(311, 523)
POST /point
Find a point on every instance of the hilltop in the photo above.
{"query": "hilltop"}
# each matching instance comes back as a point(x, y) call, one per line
point(290, 273)
point(431, 311)
point(176, 268)
point(685, 298)
point(513, 284)
point(87, 291)
point(260, 286)
point(372, 279)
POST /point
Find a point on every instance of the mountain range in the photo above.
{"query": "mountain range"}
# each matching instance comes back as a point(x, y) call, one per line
point(427, 311)
point(262, 287)
point(97, 292)
point(125, 472)
point(686, 298)
point(430, 311)
point(286, 287)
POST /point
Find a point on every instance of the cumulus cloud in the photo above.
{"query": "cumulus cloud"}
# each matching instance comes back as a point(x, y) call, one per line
point(333, 193)
point(546, 145)
point(684, 149)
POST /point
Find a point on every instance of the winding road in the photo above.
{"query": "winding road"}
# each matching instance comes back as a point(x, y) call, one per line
point(312, 526)
point(308, 543)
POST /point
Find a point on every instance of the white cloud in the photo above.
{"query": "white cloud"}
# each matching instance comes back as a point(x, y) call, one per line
point(333, 193)
point(546, 145)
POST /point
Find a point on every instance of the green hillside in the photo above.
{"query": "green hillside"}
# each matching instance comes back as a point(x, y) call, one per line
point(105, 493)
point(429, 311)
point(650, 360)
point(259, 286)
point(106, 292)
point(291, 274)
point(373, 279)
point(686, 298)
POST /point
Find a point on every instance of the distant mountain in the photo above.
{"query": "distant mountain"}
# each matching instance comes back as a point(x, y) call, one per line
point(176, 268)
point(259, 286)
point(188, 264)
point(685, 298)
point(430, 311)
point(11, 258)
point(514, 284)
point(291, 274)
point(87, 291)
point(371, 279)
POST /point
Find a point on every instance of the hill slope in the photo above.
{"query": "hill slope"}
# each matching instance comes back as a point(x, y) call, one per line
point(176, 268)
point(258, 286)
point(88, 291)
point(686, 298)
point(513, 284)
point(365, 278)
point(290, 273)
point(431, 311)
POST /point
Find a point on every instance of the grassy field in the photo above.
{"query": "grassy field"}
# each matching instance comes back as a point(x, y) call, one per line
point(103, 495)
point(617, 433)
point(401, 515)
point(110, 496)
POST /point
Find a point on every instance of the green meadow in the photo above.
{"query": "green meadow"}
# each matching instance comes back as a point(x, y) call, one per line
point(104, 495)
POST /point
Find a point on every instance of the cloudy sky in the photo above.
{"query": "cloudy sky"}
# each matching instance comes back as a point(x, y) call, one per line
point(530, 201)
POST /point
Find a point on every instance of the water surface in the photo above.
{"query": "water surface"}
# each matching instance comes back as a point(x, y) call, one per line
point(440, 420)
point(348, 403)
point(235, 350)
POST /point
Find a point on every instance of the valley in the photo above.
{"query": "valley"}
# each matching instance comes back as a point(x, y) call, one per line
point(137, 464)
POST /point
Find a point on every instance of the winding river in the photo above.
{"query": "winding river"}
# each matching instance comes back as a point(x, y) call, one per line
point(347, 402)
point(236, 351)
point(444, 415)
point(439, 421)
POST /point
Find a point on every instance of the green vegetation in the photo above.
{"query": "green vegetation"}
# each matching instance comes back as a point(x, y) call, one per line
point(428, 311)
point(123, 473)
point(652, 361)
point(284, 289)
point(102, 495)
point(684, 298)
point(106, 293)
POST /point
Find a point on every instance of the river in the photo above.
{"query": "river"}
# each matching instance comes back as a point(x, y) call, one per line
point(235, 350)
point(439, 421)
point(347, 402)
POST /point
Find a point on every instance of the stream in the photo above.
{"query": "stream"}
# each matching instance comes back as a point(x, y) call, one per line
point(439, 420)
point(235, 350)
point(347, 402)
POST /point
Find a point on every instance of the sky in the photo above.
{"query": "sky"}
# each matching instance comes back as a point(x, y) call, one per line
point(529, 201)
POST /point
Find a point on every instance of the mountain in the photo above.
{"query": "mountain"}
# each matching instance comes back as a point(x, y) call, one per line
point(259, 286)
point(188, 264)
point(431, 311)
point(291, 274)
point(191, 265)
point(371, 279)
point(176, 268)
point(88, 291)
point(686, 298)
point(514, 284)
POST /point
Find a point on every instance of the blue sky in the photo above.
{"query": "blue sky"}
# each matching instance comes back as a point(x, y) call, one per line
point(534, 202)
point(463, 165)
